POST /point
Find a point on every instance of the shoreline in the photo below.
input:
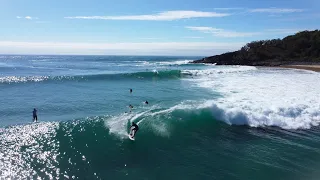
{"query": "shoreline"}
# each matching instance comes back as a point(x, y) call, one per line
point(315, 68)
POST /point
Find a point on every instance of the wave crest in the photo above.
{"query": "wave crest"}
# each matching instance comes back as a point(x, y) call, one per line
point(171, 74)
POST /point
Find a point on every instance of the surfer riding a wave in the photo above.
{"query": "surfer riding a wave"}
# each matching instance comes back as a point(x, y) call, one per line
point(133, 130)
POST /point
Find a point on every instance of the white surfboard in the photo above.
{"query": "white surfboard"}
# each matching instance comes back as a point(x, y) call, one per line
point(130, 137)
point(131, 134)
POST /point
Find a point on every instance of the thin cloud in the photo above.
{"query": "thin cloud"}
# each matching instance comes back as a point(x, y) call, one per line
point(155, 48)
point(229, 34)
point(275, 10)
point(228, 9)
point(163, 16)
point(221, 32)
point(203, 29)
point(193, 37)
point(150, 38)
point(26, 17)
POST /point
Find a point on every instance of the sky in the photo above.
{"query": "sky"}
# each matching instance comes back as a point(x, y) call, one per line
point(148, 27)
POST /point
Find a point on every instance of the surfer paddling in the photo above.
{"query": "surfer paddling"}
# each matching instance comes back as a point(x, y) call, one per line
point(130, 107)
point(133, 130)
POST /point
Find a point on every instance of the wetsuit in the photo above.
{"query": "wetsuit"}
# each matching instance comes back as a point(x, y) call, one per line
point(35, 117)
point(134, 128)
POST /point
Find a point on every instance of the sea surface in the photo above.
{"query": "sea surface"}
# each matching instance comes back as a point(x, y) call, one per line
point(202, 121)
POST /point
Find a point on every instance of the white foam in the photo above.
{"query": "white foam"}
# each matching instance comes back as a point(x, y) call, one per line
point(179, 62)
point(160, 128)
point(162, 63)
point(185, 105)
point(118, 124)
point(16, 79)
point(266, 97)
point(219, 70)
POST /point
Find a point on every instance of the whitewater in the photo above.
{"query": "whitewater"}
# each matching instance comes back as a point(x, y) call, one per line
point(202, 121)
point(264, 97)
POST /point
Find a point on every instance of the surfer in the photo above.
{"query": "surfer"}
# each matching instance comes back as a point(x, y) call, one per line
point(130, 90)
point(146, 102)
point(133, 129)
point(35, 117)
point(130, 106)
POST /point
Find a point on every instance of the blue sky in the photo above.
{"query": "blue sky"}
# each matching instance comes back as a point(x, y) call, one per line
point(142, 27)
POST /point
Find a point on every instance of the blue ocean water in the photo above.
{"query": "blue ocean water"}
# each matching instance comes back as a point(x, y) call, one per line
point(202, 121)
point(69, 87)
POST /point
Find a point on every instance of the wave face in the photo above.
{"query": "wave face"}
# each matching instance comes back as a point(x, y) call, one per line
point(98, 147)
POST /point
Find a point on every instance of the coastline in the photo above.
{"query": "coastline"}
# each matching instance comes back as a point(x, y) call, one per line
point(298, 51)
point(315, 68)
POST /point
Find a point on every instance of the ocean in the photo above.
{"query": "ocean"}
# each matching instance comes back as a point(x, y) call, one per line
point(202, 121)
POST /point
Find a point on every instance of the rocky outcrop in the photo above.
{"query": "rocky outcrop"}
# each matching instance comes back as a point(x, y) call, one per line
point(301, 48)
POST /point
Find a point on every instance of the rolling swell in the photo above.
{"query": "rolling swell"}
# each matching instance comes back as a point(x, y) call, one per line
point(170, 74)
point(87, 147)
point(98, 147)
point(78, 148)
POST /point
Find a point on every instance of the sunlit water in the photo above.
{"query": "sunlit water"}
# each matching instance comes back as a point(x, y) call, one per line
point(202, 121)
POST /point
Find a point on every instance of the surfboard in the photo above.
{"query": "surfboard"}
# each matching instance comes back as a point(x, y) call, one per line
point(131, 134)
point(130, 137)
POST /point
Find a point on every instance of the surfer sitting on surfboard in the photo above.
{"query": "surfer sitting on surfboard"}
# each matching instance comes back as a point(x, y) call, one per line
point(133, 129)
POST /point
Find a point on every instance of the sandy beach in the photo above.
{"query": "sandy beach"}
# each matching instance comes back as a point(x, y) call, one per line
point(306, 67)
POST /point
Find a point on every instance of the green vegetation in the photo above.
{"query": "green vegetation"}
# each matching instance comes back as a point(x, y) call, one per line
point(301, 48)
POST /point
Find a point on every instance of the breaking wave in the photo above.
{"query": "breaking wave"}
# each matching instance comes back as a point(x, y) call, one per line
point(166, 74)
